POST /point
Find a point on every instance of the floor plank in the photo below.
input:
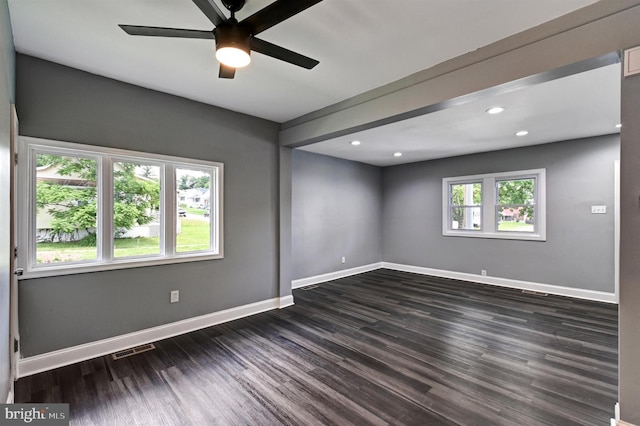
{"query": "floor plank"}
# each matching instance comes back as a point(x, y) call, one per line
point(378, 348)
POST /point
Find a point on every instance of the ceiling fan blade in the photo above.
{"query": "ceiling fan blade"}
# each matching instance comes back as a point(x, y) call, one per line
point(281, 53)
point(139, 30)
point(275, 13)
point(226, 72)
point(211, 10)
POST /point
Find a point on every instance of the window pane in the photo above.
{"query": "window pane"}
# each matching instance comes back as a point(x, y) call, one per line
point(466, 194)
point(518, 191)
point(466, 201)
point(516, 208)
point(194, 211)
point(467, 218)
point(516, 218)
point(66, 209)
point(136, 209)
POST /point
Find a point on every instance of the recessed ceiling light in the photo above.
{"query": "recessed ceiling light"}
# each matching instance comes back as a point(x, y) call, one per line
point(355, 143)
point(495, 110)
point(397, 154)
point(522, 133)
point(618, 125)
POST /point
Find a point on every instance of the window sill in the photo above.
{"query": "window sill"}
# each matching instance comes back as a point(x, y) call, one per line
point(84, 268)
point(496, 235)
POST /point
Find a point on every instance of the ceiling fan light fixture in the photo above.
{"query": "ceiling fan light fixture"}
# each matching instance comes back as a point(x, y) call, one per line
point(235, 40)
point(233, 46)
point(233, 57)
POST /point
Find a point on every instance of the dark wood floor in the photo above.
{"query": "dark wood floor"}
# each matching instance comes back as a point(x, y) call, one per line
point(379, 348)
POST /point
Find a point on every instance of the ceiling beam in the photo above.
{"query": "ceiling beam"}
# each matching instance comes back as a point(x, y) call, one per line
point(582, 35)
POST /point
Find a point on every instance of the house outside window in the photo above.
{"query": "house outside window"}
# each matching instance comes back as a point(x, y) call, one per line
point(510, 205)
point(88, 208)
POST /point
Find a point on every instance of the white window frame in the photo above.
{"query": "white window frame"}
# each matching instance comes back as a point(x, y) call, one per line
point(490, 202)
point(106, 157)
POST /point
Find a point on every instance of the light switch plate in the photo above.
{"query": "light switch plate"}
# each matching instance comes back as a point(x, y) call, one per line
point(632, 61)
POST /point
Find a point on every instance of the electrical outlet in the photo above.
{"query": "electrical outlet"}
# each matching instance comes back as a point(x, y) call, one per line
point(483, 272)
point(598, 209)
point(344, 259)
point(175, 296)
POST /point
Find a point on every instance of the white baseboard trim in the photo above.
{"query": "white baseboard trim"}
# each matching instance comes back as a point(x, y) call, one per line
point(317, 279)
point(599, 296)
point(286, 301)
point(617, 421)
point(60, 358)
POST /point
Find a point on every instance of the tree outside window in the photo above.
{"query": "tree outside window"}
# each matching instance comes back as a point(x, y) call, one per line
point(516, 205)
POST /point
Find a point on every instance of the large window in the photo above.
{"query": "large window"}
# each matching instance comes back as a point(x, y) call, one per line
point(500, 205)
point(87, 208)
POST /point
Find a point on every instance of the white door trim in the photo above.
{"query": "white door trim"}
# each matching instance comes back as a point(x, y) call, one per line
point(616, 232)
point(14, 333)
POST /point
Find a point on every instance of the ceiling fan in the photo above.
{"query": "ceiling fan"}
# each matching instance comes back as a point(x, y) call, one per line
point(235, 40)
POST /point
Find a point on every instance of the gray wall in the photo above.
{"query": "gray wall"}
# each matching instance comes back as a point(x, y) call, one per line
point(336, 212)
point(284, 213)
point(61, 103)
point(579, 248)
point(629, 328)
point(6, 95)
point(7, 52)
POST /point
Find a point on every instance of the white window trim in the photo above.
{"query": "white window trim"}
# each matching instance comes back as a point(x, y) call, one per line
point(488, 215)
point(105, 157)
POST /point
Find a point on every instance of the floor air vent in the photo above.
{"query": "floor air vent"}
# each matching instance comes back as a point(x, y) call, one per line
point(133, 351)
point(310, 287)
point(535, 293)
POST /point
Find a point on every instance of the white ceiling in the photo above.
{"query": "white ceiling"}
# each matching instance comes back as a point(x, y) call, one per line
point(361, 45)
point(581, 105)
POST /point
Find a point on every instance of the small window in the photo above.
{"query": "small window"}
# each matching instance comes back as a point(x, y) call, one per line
point(500, 205)
point(88, 208)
